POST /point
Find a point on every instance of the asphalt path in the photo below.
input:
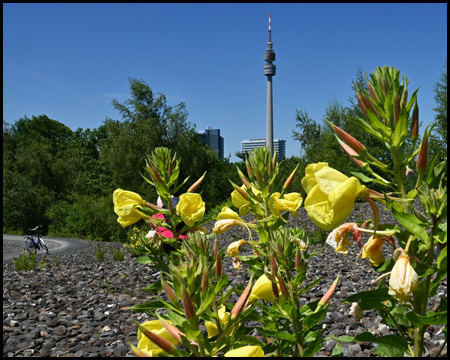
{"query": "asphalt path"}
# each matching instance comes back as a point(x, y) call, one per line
point(55, 246)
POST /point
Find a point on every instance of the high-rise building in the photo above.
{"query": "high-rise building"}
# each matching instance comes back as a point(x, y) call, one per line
point(278, 144)
point(212, 138)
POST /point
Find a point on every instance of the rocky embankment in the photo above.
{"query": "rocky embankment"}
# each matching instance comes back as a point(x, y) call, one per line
point(81, 307)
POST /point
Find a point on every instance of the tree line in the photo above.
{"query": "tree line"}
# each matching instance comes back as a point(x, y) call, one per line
point(64, 179)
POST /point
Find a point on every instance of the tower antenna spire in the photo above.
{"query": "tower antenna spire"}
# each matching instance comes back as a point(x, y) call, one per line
point(270, 27)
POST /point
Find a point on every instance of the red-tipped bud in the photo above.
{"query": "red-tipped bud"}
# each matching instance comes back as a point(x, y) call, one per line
point(280, 250)
point(243, 178)
point(164, 344)
point(327, 295)
point(350, 152)
point(174, 331)
point(155, 207)
point(404, 99)
point(273, 264)
point(187, 304)
point(241, 191)
point(195, 185)
point(298, 259)
point(215, 247)
point(369, 104)
point(275, 292)
point(239, 306)
point(290, 179)
point(373, 94)
point(219, 266)
point(283, 288)
point(415, 123)
point(205, 279)
point(361, 103)
point(422, 158)
point(169, 291)
point(348, 139)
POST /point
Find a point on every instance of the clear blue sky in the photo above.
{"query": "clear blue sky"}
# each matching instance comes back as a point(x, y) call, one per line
point(69, 61)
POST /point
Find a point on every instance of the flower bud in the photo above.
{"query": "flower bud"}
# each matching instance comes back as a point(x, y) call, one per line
point(396, 109)
point(291, 177)
point(350, 152)
point(373, 94)
point(239, 306)
point(174, 331)
point(415, 123)
point(283, 288)
point(164, 344)
point(169, 291)
point(243, 178)
point(422, 158)
point(348, 139)
point(404, 99)
point(361, 103)
point(205, 281)
point(241, 191)
point(273, 264)
point(195, 185)
point(327, 296)
point(219, 266)
point(187, 304)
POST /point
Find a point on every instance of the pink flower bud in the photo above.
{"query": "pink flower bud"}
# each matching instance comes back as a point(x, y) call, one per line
point(239, 306)
point(348, 139)
point(187, 303)
point(164, 344)
point(195, 185)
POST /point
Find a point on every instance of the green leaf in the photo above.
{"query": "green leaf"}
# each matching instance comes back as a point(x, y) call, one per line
point(315, 345)
point(431, 318)
point(277, 334)
point(442, 260)
point(370, 300)
point(378, 125)
point(401, 130)
point(396, 341)
point(383, 350)
point(363, 125)
point(367, 179)
point(412, 224)
point(337, 351)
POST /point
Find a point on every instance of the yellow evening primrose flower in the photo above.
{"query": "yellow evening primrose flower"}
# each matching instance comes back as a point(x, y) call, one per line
point(404, 280)
point(331, 195)
point(242, 204)
point(262, 290)
point(191, 208)
point(226, 219)
point(233, 248)
point(372, 250)
point(290, 202)
point(148, 346)
point(125, 206)
point(211, 327)
point(246, 351)
point(337, 238)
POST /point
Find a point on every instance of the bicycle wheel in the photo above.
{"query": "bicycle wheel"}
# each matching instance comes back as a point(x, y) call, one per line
point(29, 245)
point(43, 245)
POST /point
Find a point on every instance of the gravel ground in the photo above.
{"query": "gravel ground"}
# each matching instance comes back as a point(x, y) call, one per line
point(81, 308)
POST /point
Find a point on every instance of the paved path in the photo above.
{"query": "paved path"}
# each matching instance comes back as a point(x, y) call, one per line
point(55, 246)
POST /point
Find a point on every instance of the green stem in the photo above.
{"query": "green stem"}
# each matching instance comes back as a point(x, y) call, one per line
point(420, 330)
point(402, 334)
point(399, 170)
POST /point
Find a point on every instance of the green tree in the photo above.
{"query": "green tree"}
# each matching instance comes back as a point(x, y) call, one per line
point(438, 145)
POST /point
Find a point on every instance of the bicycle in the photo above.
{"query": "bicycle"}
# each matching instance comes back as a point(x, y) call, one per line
point(30, 244)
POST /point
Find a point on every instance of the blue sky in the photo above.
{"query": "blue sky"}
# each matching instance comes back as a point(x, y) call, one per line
point(69, 61)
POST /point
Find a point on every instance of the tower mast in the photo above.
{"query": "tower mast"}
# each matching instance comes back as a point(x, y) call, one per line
point(269, 71)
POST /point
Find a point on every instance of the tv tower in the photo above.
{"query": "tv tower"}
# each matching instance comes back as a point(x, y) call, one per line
point(269, 71)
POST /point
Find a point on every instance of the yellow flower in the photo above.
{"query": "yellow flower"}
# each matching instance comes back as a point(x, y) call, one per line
point(226, 220)
point(331, 195)
point(125, 205)
point(262, 290)
point(372, 250)
point(337, 240)
point(242, 204)
point(290, 202)
point(191, 208)
point(246, 351)
point(148, 346)
point(239, 201)
point(211, 327)
point(233, 248)
point(404, 280)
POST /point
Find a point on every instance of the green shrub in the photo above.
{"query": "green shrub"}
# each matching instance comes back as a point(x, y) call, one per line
point(100, 253)
point(24, 262)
